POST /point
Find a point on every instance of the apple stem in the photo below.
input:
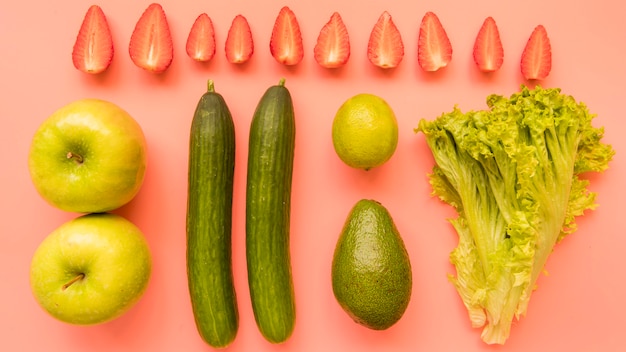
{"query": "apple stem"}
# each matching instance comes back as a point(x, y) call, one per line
point(76, 157)
point(72, 281)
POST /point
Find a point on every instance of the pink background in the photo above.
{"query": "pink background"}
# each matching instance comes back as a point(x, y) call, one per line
point(578, 307)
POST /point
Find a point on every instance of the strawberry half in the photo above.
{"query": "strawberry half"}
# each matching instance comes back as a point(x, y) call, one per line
point(434, 50)
point(537, 55)
point(488, 52)
point(286, 41)
point(332, 48)
point(93, 49)
point(151, 42)
point(201, 40)
point(385, 48)
point(239, 44)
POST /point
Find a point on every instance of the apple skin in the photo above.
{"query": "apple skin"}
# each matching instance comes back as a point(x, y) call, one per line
point(111, 253)
point(88, 157)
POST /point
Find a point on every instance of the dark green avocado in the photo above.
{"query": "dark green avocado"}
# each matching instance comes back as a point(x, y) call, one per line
point(371, 271)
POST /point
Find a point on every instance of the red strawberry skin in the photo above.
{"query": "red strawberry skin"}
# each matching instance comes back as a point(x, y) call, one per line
point(488, 51)
point(151, 46)
point(332, 48)
point(434, 50)
point(239, 42)
point(93, 50)
point(536, 60)
point(385, 47)
point(286, 40)
point(201, 40)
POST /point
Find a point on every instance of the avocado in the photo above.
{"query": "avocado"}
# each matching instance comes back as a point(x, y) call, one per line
point(371, 271)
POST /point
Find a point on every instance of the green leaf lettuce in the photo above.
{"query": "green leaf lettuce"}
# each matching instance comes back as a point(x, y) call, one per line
point(512, 174)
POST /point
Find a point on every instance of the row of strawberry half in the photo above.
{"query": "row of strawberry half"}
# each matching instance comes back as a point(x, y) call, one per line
point(151, 46)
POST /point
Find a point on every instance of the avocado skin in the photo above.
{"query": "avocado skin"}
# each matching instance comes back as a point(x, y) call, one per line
point(371, 270)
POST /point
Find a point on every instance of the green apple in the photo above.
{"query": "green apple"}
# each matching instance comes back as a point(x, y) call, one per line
point(88, 157)
point(91, 269)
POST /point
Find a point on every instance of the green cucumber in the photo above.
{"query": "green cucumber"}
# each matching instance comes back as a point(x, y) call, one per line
point(209, 220)
point(268, 203)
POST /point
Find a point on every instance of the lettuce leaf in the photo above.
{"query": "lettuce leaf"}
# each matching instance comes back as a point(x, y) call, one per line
point(511, 172)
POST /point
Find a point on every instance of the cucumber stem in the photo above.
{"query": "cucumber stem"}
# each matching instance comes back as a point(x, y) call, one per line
point(72, 281)
point(282, 82)
point(210, 86)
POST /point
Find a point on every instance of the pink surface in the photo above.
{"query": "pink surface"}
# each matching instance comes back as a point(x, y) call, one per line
point(578, 307)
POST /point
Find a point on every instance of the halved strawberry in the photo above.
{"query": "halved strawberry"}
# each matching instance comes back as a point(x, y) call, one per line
point(333, 43)
point(201, 40)
point(537, 55)
point(151, 41)
point(93, 49)
point(385, 48)
point(434, 50)
point(239, 44)
point(286, 41)
point(488, 52)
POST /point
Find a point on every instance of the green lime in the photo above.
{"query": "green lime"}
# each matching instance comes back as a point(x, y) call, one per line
point(365, 131)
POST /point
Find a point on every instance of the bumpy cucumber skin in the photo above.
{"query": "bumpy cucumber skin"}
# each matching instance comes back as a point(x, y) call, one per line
point(268, 205)
point(209, 221)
